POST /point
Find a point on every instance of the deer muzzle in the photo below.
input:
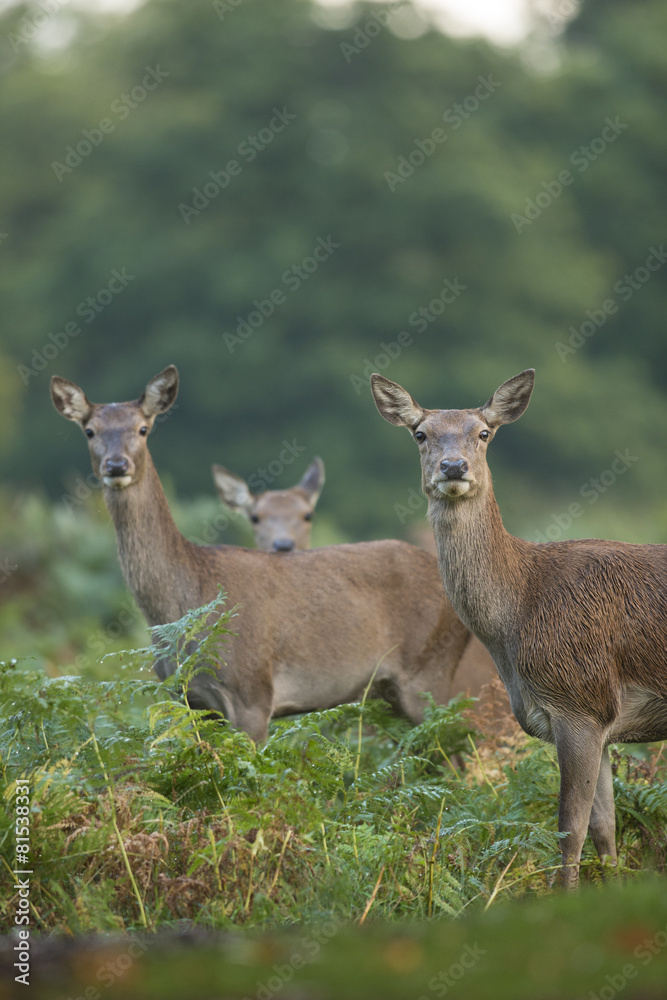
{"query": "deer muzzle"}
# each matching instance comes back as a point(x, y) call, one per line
point(452, 487)
point(116, 473)
point(452, 478)
point(283, 545)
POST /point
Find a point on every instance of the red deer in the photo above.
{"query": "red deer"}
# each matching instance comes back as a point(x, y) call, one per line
point(577, 629)
point(281, 519)
point(314, 627)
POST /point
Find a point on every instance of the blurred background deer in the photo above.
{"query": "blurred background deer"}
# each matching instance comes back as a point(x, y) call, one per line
point(281, 519)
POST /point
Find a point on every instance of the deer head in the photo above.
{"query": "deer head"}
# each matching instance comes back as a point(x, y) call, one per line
point(117, 432)
point(452, 443)
point(281, 519)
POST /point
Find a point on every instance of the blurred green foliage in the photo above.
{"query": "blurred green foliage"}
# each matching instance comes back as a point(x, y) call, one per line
point(217, 75)
point(603, 942)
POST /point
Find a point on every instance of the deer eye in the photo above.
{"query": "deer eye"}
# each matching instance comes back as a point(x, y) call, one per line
point(308, 517)
point(420, 436)
point(254, 518)
point(89, 432)
point(143, 431)
point(484, 435)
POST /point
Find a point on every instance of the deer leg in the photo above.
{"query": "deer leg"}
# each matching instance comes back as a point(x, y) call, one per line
point(435, 674)
point(254, 721)
point(403, 701)
point(602, 824)
point(579, 744)
point(407, 694)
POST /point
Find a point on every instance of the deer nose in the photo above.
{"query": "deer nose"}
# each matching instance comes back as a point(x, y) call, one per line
point(283, 545)
point(116, 467)
point(454, 468)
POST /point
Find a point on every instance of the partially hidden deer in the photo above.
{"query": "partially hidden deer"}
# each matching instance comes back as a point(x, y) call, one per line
point(577, 629)
point(313, 628)
point(281, 519)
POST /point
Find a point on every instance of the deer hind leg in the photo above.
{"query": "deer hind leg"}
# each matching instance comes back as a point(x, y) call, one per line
point(602, 824)
point(580, 745)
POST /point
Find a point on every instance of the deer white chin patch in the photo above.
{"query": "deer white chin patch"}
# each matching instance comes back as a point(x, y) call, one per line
point(117, 482)
point(453, 487)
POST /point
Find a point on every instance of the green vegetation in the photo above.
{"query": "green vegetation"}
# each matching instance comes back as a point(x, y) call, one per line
point(144, 812)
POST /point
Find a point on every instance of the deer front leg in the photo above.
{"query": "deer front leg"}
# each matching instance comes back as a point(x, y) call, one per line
point(580, 744)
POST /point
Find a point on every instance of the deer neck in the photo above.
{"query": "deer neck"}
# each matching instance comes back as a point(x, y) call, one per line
point(483, 568)
point(158, 563)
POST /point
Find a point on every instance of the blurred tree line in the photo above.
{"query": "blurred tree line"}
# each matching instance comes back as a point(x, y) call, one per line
point(280, 198)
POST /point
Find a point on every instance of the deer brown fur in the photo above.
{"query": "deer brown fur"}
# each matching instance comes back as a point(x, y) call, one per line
point(312, 626)
point(577, 629)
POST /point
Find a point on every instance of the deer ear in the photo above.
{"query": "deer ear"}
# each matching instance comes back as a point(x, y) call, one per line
point(160, 393)
point(233, 490)
point(69, 400)
point(510, 399)
point(312, 480)
point(394, 403)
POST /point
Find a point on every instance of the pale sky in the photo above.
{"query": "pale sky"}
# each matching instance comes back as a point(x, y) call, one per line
point(505, 21)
